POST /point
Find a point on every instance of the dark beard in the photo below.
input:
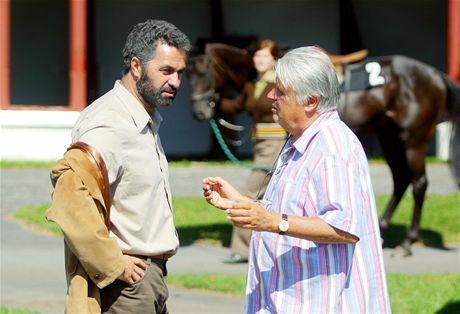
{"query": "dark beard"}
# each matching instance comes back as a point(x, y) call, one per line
point(151, 96)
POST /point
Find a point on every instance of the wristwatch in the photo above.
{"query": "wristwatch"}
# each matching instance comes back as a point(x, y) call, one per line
point(283, 226)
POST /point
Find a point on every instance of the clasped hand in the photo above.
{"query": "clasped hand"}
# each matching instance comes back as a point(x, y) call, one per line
point(242, 211)
point(134, 269)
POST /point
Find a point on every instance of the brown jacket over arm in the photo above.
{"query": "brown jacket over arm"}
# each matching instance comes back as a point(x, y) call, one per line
point(93, 258)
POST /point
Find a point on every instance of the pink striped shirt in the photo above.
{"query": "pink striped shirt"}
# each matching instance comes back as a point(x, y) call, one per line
point(323, 174)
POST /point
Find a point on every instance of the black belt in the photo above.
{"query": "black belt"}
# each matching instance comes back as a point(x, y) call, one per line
point(160, 257)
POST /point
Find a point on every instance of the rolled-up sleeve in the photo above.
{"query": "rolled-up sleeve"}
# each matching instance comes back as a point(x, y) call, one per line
point(338, 203)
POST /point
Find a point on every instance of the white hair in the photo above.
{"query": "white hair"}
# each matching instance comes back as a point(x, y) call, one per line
point(309, 72)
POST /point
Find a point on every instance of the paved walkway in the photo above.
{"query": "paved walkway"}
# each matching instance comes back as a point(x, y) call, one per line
point(32, 274)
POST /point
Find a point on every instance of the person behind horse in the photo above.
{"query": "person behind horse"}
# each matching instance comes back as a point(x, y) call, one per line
point(316, 244)
point(268, 136)
point(123, 126)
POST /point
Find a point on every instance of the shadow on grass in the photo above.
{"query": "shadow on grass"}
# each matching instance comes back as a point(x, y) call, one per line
point(397, 233)
point(451, 307)
point(213, 233)
point(221, 233)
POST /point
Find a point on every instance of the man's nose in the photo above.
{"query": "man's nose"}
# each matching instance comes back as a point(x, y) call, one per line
point(271, 94)
point(174, 80)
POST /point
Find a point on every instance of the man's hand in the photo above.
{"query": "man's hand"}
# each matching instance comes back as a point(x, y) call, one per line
point(134, 269)
point(249, 215)
point(220, 193)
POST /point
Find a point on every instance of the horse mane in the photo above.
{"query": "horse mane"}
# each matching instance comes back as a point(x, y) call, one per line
point(230, 62)
point(239, 41)
point(211, 47)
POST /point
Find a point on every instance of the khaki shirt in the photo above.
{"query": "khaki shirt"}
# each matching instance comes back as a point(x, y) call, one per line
point(119, 127)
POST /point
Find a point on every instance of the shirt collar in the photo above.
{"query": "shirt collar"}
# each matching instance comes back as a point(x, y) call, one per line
point(140, 116)
point(323, 121)
point(155, 120)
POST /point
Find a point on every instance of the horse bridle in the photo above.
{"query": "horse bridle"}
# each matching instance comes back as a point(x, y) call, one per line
point(211, 96)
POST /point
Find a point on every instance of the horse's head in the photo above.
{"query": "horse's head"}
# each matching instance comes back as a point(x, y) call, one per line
point(203, 94)
point(222, 68)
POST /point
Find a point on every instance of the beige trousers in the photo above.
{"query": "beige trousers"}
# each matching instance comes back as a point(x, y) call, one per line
point(266, 153)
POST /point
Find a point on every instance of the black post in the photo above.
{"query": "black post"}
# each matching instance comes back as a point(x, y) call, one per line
point(92, 66)
point(217, 19)
point(350, 36)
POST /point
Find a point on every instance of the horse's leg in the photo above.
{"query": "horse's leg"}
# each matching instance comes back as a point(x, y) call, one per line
point(395, 154)
point(416, 161)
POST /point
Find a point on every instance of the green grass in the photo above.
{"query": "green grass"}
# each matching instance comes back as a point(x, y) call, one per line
point(203, 163)
point(197, 221)
point(424, 293)
point(34, 216)
point(8, 164)
point(414, 293)
point(428, 159)
point(233, 284)
point(16, 311)
point(440, 224)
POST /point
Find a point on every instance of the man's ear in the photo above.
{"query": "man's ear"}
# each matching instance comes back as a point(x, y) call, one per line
point(312, 104)
point(136, 68)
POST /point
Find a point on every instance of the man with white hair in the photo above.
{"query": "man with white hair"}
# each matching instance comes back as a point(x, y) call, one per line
point(316, 244)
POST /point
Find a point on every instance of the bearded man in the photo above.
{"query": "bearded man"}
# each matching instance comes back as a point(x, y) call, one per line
point(122, 126)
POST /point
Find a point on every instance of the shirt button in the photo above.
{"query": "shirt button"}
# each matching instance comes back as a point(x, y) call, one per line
point(97, 276)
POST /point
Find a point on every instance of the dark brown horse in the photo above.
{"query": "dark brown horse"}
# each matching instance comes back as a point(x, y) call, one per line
point(220, 72)
point(402, 102)
point(403, 111)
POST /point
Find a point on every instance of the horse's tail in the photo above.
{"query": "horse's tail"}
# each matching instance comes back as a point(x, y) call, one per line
point(453, 109)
